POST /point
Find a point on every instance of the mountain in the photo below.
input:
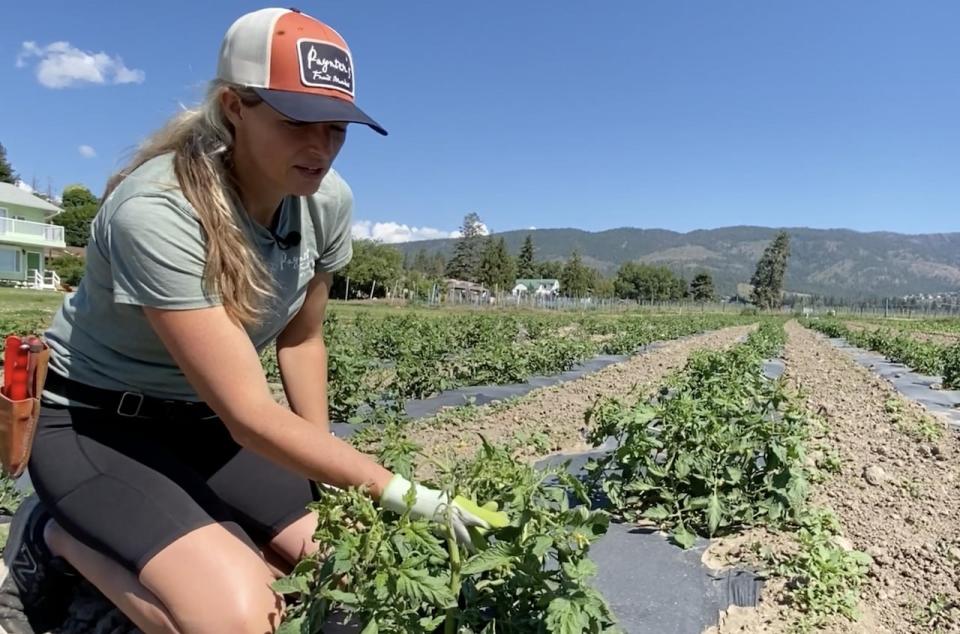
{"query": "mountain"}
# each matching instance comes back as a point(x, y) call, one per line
point(832, 262)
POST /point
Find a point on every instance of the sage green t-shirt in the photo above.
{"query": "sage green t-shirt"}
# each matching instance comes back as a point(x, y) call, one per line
point(146, 248)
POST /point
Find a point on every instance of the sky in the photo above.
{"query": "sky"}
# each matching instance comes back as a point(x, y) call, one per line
point(668, 114)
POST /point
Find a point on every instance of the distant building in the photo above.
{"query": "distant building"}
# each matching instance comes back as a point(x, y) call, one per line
point(27, 237)
point(539, 288)
point(462, 290)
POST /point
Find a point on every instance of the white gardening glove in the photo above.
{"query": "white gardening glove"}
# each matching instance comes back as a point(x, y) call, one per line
point(432, 504)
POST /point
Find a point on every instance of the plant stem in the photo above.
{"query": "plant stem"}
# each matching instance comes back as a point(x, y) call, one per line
point(450, 625)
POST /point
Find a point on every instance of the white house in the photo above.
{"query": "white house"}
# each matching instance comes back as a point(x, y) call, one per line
point(26, 237)
point(539, 288)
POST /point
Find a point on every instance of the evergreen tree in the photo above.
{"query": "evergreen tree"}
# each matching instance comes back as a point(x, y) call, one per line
point(467, 254)
point(437, 265)
point(525, 266)
point(497, 269)
point(549, 270)
point(421, 262)
point(7, 175)
point(701, 288)
point(767, 281)
point(575, 278)
point(508, 266)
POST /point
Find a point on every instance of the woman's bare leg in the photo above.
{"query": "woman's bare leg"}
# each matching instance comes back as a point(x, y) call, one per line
point(116, 582)
point(211, 580)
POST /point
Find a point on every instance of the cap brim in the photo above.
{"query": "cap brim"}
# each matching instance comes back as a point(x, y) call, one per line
point(315, 108)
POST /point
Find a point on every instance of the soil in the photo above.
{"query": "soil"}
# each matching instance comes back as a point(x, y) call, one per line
point(555, 414)
point(907, 521)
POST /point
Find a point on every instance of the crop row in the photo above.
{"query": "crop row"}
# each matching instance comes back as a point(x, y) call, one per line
point(923, 356)
point(944, 326)
point(721, 448)
point(399, 357)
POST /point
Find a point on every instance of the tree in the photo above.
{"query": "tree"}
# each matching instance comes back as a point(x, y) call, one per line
point(549, 270)
point(80, 206)
point(7, 175)
point(420, 261)
point(767, 281)
point(648, 282)
point(701, 287)
point(575, 278)
point(465, 263)
point(497, 269)
point(438, 264)
point(77, 195)
point(604, 287)
point(374, 266)
point(525, 266)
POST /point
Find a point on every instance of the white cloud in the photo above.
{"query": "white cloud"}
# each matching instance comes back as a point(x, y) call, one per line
point(62, 65)
point(86, 151)
point(24, 186)
point(393, 232)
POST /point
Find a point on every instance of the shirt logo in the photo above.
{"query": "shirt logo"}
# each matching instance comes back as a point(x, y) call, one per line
point(323, 65)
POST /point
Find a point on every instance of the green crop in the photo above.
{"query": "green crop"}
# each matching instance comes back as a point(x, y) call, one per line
point(722, 449)
point(392, 573)
point(395, 358)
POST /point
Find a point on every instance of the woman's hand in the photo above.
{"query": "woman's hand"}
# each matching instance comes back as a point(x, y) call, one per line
point(432, 504)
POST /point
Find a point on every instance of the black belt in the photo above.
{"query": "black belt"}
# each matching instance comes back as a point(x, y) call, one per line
point(125, 403)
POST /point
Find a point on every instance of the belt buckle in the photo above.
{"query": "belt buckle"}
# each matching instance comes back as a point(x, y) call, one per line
point(123, 400)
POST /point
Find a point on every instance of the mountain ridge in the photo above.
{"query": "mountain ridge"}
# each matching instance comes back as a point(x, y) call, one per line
point(832, 262)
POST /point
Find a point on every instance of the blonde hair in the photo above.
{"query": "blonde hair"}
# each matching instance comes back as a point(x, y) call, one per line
point(201, 140)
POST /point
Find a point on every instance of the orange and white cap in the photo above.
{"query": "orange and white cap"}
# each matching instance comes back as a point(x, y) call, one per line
point(300, 66)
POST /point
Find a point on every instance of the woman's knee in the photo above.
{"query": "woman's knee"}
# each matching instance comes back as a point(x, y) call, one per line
point(295, 541)
point(211, 580)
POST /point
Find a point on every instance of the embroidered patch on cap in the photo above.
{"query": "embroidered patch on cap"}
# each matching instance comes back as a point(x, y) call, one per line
point(323, 65)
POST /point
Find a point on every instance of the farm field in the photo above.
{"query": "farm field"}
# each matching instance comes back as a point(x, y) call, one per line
point(838, 490)
point(909, 348)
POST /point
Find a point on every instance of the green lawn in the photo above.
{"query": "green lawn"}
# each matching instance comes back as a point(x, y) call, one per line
point(23, 310)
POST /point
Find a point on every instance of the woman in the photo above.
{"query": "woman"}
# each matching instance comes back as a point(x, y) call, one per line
point(165, 472)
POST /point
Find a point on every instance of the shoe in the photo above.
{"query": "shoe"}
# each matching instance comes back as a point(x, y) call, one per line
point(36, 587)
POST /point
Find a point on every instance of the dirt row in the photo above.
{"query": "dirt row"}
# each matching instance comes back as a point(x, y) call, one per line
point(897, 496)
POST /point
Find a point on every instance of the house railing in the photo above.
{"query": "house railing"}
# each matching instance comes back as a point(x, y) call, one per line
point(44, 231)
point(45, 280)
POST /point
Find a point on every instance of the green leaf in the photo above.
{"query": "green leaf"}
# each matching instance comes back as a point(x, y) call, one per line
point(780, 452)
point(734, 474)
point(542, 544)
point(684, 538)
point(656, 513)
point(340, 596)
point(371, 628)
point(418, 584)
point(291, 585)
point(500, 555)
point(429, 624)
point(293, 626)
point(714, 513)
point(564, 617)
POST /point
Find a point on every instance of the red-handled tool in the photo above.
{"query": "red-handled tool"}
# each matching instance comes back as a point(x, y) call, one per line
point(16, 372)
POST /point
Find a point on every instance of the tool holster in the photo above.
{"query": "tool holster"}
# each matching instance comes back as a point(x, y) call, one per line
point(18, 418)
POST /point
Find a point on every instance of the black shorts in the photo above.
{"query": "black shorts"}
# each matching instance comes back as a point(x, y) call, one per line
point(129, 487)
